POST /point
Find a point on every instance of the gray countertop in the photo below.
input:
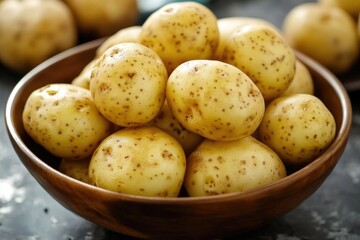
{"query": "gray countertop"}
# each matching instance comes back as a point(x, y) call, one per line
point(332, 212)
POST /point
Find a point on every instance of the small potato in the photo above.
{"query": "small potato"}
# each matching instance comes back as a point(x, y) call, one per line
point(31, 31)
point(96, 18)
point(181, 31)
point(302, 82)
point(78, 169)
point(215, 100)
point(261, 53)
point(325, 33)
point(298, 128)
point(129, 34)
point(65, 121)
point(128, 84)
point(228, 25)
point(166, 121)
point(141, 161)
point(350, 6)
point(237, 166)
point(83, 79)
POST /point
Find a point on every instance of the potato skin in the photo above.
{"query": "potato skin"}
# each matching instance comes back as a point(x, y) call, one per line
point(264, 55)
point(26, 40)
point(302, 81)
point(64, 120)
point(227, 26)
point(128, 84)
point(83, 79)
point(142, 161)
point(298, 128)
point(215, 100)
point(128, 34)
point(78, 169)
point(223, 167)
point(166, 121)
point(350, 6)
point(325, 33)
point(181, 31)
point(96, 18)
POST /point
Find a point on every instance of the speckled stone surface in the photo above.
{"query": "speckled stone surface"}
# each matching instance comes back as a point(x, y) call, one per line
point(333, 212)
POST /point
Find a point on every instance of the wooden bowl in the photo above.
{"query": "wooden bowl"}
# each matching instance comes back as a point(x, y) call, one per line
point(175, 218)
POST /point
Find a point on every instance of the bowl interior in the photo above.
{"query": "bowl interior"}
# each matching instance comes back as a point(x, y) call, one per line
point(236, 207)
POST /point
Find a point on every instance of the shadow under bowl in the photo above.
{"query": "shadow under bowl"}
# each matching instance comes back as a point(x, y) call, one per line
point(174, 218)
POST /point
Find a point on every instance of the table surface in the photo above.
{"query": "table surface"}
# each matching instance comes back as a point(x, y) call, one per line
point(332, 212)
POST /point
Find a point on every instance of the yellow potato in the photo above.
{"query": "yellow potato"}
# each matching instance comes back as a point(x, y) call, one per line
point(298, 128)
point(215, 100)
point(350, 6)
point(78, 169)
point(237, 166)
point(96, 18)
point(181, 31)
point(128, 84)
point(302, 82)
point(129, 34)
point(325, 33)
point(228, 25)
point(261, 53)
point(31, 31)
point(166, 121)
point(83, 79)
point(65, 121)
point(141, 161)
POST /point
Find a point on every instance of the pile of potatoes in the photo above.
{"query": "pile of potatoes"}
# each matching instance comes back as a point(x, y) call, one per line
point(33, 30)
point(185, 101)
point(327, 31)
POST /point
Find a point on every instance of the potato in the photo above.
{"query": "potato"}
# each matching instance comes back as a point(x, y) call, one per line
point(32, 31)
point(223, 167)
point(142, 161)
point(128, 84)
point(181, 31)
point(325, 33)
point(298, 128)
point(350, 6)
point(78, 170)
point(166, 121)
point(302, 82)
point(228, 25)
point(64, 120)
point(129, 34)
point(83, 79)
point(96, 18)
point(214, 99)
point(261, 53)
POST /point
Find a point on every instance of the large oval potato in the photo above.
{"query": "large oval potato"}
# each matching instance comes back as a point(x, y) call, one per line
point(64, 120)
point(215, 100)
point(128, 84)
point(33, 30)
point(260, 52)
point(181, 31)
point(142, 161)
point(298, 128)
point(237, 166)
point(325, 33)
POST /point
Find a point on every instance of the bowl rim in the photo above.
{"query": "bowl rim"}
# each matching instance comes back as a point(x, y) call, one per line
point(343, 130)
